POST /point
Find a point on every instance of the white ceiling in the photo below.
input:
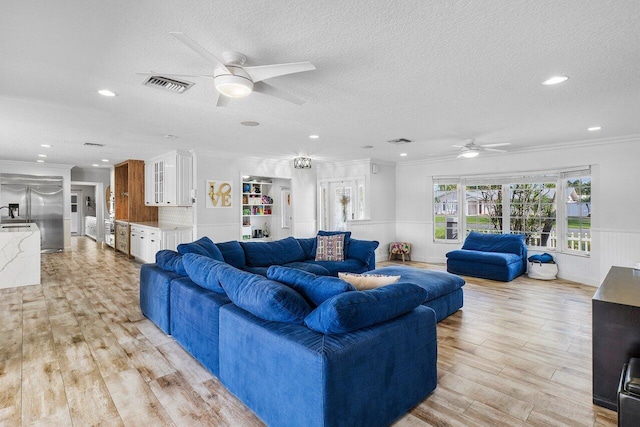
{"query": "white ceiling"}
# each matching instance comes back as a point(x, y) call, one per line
point(436, 72)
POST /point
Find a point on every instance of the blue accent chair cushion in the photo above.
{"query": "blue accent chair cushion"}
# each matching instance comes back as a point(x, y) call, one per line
point(169, 260)
point(265, 254)
point(203, 271)
point(350, 311)
point(232, 253)
point(362, 250)
point(264, 298)
point(316, 289)
point(203, 246)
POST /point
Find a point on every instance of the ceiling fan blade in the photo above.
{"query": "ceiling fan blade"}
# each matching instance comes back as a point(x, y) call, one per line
point(267, 89)
point(500, 144)
point(494, 150)
point(459, 146)
point(193, 45)
point(223, 101)
point(264, 72)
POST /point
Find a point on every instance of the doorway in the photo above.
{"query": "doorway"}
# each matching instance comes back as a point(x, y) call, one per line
point(341, 201)
point(75, 218)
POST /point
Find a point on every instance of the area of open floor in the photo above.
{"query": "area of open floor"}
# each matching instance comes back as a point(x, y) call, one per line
point(76, 349)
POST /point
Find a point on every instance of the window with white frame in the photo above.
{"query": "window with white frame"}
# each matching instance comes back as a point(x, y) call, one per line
point(552, 209)
point(445, 211)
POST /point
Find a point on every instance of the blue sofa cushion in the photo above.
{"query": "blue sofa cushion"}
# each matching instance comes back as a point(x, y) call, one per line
point(495, 258)
point(308, 246)
point(505, 243)
point(316, 289)
point(265, 254)
point(350, 311)
point(362, 250)
point(264, 298)
point(203, 246)
point(232, 253)
point(308, 267)
point(347, 241)
point(349, 265)
point(169, 260)
point(436, 283)
point(203, 271)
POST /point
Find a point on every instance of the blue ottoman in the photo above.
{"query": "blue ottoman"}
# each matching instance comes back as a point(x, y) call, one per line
point(444, 290)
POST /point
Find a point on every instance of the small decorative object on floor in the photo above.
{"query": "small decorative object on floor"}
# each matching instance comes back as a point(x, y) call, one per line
point(542, 267)
point(400, 248)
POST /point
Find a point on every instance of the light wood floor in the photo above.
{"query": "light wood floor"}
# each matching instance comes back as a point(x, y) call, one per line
point(77, 351)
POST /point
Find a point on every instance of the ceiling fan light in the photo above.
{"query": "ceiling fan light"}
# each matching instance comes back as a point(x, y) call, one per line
point(233, 86)
point(470, 154)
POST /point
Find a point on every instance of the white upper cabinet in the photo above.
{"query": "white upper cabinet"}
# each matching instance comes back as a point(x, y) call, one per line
point(168, 180)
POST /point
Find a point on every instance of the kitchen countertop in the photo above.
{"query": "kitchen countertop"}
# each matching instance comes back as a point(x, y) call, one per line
point(162, 225)
point(18, 227)
point(20, 254)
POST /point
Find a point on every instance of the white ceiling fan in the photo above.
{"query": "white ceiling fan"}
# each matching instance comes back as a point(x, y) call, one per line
point(234, 80)
point(471, 149)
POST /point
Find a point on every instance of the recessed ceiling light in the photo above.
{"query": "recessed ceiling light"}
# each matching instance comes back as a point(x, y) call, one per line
point(555, 80)
point(107, 92)
point(470, 154)
point(249, 123)
point(40, 161)
point(95, 165)
point(594, 128)
point(45, 145)
point(403, 154)
point(105, 160)
point(246, 176)
point(314, 136)
point(169, 136)
point(367, 146)
point(42, 155)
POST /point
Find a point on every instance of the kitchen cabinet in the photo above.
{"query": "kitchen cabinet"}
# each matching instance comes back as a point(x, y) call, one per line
point(169, 180)
point(129, 192)
point(122, 236)
point(149, 238)
point(90, 227)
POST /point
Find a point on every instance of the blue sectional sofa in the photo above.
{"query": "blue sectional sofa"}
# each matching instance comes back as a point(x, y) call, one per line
point(297, 348)
point(490, 256)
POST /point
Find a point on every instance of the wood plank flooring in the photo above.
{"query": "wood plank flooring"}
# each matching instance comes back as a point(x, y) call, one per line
point(77, 351)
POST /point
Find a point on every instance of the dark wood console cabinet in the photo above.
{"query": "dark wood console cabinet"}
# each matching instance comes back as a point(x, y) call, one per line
point(616, 331)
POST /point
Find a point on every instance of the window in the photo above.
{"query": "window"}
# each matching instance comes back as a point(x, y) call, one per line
point(531, 205)
point(578, 214)
point(445, 215)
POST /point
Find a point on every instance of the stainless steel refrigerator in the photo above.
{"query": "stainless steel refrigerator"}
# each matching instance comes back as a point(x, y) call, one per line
point(38, 199)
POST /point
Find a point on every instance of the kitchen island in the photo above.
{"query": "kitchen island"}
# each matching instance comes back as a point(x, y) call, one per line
point(19, 255)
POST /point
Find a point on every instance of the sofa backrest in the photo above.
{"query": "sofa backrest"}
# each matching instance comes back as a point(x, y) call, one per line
point(504, 243)
point(279, 252)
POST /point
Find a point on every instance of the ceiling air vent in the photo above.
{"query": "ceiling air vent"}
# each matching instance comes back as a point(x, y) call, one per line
point(93, 144)
point(399, 141)
point(165, 83)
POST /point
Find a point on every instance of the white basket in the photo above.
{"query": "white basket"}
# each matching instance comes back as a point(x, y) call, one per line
point(542, 271)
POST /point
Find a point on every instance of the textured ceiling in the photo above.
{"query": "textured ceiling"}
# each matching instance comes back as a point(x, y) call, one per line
point(435, 72)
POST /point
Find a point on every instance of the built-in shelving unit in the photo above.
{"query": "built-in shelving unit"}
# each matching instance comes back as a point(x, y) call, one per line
point(257, 209)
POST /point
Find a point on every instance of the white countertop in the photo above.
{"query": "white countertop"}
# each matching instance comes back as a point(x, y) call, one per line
point(19, 254)
point(18, 227)
point(162, 225)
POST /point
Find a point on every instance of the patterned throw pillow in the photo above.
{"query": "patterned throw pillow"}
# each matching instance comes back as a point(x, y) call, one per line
point(330, 248)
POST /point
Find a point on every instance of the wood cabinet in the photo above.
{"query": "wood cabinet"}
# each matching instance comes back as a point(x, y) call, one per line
point(257, 209)
point(169, 180)
point(616, 331)
point(129, 197)
point(147, 240)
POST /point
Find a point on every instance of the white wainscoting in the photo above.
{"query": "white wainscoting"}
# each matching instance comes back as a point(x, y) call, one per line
point(616, 248)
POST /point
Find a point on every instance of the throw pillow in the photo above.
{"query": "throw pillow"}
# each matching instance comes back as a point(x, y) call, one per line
point(203, 271)
point(330, 248)
point(203, 246)
point(350, 311)
point(264, 298)
point(316, 289)
point(368, 281)
point(347, 240)
point(169, 260)
point(362, 250)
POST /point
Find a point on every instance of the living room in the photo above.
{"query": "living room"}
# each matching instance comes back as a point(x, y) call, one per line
point(397, 95)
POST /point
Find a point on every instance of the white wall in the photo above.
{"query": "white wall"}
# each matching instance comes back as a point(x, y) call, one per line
point(45, 169)
point(223, 224)
point(615, 228)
